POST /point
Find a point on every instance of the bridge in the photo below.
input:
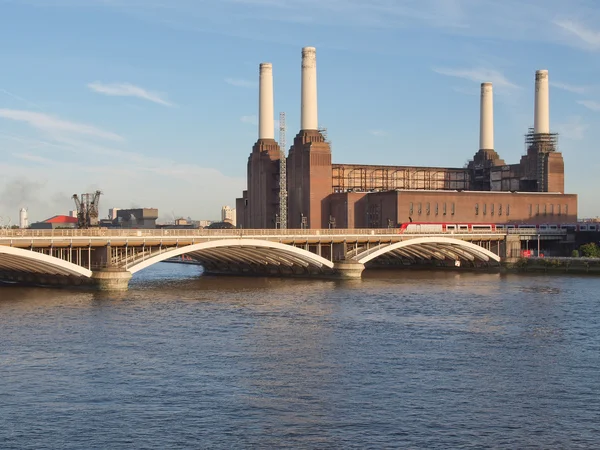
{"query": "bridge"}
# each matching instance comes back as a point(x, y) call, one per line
point(107, 258)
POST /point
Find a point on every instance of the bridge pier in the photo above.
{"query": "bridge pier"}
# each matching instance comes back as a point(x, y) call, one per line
point(348, 269)
point(111, 279)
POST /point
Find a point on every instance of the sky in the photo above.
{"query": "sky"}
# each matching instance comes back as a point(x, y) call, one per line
point(154, 102)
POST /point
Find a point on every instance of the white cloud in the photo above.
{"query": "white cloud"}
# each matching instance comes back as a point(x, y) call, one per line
point(50, 123)
point(129, 90)
point(479, 75)
point(590, 104)
point(569, 87)
point(590, 38)
point(252, 119)
point(378, 133)
point(238, 82)
point(21, 99)
point(33, 158)
point(573, 129)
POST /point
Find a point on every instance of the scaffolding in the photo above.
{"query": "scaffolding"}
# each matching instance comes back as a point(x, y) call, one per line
point(544, 144)
point(282, 174)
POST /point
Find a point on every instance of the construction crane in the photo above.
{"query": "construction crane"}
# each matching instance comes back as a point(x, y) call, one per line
point(87, 209)
point(282, 174)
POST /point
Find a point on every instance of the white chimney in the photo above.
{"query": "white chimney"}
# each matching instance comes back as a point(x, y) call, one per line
point(23, 220)
point(309, 119)
point(266, 111)
point(486, 118)
point(541, 118)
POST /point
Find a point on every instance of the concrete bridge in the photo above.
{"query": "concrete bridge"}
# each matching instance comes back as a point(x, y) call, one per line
point(107, 258)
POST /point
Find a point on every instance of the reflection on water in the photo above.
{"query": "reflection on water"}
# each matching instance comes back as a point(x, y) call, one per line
point(397, 359)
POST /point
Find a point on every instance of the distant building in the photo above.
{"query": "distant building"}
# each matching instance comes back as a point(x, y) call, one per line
point(143, 218)
point(112, 213)
point(204, 223)
point(72, 213)
point(181, 221)
point(228, 215)
point(55, 222)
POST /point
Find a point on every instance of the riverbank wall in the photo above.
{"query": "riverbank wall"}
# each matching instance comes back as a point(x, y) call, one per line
point(555, 264)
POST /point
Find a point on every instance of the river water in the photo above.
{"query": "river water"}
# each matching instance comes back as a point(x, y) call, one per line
point(400, 359)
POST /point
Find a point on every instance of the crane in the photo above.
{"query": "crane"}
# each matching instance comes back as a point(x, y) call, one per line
point(87, 209)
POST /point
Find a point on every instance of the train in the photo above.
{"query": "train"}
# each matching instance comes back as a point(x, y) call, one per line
point(448, 227)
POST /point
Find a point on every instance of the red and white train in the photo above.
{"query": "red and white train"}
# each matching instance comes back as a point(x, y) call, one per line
point(445, 227)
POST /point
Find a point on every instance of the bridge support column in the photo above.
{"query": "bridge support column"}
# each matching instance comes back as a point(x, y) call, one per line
point(111, 279)
point(348, 270)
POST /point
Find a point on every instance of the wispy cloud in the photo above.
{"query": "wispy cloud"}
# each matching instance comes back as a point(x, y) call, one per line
point(378, 133)
point(129, 90)
point(50, 123)
point(33, 158)
point(466, 91)
point(569, 87)
point(479, 75)
point(590, 38)
point(573, 129)
point(590, 104)
point(239, 82)
point(252, 120)
point(21, 99)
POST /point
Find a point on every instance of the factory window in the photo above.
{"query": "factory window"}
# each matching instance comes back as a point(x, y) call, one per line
point(537, 209)
point(566, 209)
point(410, 208)
point(552, 209)
point(530, 210)
point(559, 209)
point(436, 208)
point(427, 208)
point(508, 210)
point(500, 209)
point(492, 209)
point(484, 209)
point(444, 208)
point(419, 209)
point(476, 209)
point(245, 202)
point(545, 209)
point(452, 210)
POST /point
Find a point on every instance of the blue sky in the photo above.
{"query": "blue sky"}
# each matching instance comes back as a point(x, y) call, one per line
point(155, 101)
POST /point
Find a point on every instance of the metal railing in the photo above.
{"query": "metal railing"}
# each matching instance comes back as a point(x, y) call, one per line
point(159, 233)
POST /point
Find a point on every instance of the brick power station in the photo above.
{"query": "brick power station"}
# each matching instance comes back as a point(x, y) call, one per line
point(321, 194)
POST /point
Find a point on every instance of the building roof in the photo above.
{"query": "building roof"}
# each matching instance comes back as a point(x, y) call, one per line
point(61, 219)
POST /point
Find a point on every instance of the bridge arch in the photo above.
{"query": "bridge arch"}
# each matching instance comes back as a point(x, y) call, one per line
point(241, 251)
point(23, 260)
point(438, 247)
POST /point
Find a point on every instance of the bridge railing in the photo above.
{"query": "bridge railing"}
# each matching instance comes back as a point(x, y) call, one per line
point(534, 232)
point(116, 232)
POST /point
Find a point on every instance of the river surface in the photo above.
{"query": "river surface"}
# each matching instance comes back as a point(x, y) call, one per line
point(400, 359)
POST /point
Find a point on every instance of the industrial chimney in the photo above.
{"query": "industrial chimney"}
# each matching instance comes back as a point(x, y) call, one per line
point(541, 119)
point(486, 119)
point(266, 112)
point(309, 120)
point(23, 220)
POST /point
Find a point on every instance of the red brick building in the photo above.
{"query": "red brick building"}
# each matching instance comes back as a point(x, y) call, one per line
point(322, 194)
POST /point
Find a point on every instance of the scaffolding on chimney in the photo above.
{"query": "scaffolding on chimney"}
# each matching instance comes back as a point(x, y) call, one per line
point(282, 174)
point(544, 144)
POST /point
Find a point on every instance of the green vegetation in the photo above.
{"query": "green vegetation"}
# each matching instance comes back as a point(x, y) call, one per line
point(590, 250)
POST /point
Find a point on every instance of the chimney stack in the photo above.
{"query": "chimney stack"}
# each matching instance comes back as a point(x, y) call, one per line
point(266, 111)
point(486, 118)
point(541, 118)
point(309, 120)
